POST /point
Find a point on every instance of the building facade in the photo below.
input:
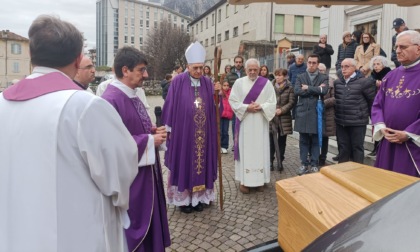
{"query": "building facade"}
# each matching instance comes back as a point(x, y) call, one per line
point(14, 58)
point(376, 20)
point(128, 22)
point(256, 30)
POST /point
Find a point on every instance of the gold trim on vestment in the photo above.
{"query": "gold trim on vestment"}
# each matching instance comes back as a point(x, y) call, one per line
point(199, 136)
point(199, 188)
point(399, 92)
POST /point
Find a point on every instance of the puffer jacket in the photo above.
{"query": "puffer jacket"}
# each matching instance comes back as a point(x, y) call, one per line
point(232, 76)
point(345, 52)
point(353, 101)
point(329, 112)
point(285, 101)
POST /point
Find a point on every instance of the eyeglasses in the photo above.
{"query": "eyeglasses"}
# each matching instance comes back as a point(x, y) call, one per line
point(346, 66)
point(88, 67)
point(143, 69)
point(403, 47)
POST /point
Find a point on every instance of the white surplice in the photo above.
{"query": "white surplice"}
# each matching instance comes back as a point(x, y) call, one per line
point(253, 167)
point(66, 165)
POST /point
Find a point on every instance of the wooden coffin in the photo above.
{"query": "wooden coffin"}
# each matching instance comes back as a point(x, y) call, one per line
point(309, 205)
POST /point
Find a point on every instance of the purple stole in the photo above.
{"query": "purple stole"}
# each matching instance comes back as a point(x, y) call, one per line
point(27, 89)
point(251, 96)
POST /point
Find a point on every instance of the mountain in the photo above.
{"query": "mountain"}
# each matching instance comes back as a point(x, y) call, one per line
point(192, 8)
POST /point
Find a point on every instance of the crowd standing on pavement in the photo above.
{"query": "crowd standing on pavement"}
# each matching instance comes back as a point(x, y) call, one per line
point(116, 163)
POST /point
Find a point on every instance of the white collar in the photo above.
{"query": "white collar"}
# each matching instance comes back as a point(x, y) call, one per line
point(131, 93)
point(40, 70)
point(414, 64)
point(351, 76)
point(195, 82)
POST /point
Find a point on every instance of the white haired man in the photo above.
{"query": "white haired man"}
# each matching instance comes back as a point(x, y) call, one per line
point(253, 100)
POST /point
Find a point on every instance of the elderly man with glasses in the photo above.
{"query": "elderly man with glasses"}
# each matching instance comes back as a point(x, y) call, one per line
point(354, 96)
point(396, 110)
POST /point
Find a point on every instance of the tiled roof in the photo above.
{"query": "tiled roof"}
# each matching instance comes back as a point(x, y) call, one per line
point(8, 35)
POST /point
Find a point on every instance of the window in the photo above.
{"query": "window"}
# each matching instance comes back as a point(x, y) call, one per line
point(219, 13)
point(182, 27)
point(126, 39)
point(226, 35)
point(298, 24)
point(16, 67)
point(175, 26)
point(147, 14)
point(132, 21)
point(126, 30)
point(16, 48)
point(196, 29)
point(141, 23)
point(169, 17)
point(141, 13)
point(141, 32)
point(132, 40)
point(147, 23)
point(245, 28)
point(207, 22)
point(201, 25)
point(206, 43)
point(192, 29)
point(175, 18)
point(155, 25)
point(227, 10)
point(212, 19)
point(141, 40)
point(212, 41)
point(316, 26)
point(126, 20)
point(235, 31)
point(279, 23)
point(234, 9)
point(219, 38)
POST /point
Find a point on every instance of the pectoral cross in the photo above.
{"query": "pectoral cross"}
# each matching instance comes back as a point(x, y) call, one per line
point(196, 103)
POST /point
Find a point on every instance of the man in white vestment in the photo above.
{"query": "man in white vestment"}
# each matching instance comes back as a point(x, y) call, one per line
point(253, 100)
point(67, 160)
point(85, 74)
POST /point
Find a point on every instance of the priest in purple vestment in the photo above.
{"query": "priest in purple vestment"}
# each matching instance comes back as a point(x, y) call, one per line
point(147, 207)
point(396, 110)
point(189, 115)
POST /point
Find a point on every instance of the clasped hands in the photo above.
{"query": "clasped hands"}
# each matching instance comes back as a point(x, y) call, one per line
point(159, 135)
point(395, 136)
point(253, 107)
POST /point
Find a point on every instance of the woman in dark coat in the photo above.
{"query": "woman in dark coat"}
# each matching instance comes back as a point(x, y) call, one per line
point(281, 125)
point(379, 66)
point(345, 49)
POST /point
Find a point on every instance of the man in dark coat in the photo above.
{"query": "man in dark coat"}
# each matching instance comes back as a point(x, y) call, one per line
point(324, 51)
point(354, 96)
point(399, 26)
point(309, 87)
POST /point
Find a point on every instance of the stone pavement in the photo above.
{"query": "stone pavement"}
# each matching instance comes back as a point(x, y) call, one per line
point(246, 220)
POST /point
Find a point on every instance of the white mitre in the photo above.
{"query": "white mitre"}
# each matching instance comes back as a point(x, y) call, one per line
point(195, 53)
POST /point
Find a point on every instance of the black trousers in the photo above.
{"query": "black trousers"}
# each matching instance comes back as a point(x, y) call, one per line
point(282, 145)
point(324, 149)
point(350, 143)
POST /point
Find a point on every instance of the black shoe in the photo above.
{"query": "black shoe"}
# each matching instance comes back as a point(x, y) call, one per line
point(271, 166)
point(199, 207)
point(372, 154)
point(280, 167)
point(335, 158)
point(321, 162)
point(186, 209)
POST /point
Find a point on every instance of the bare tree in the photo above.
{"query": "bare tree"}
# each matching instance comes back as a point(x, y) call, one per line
point(165, 48)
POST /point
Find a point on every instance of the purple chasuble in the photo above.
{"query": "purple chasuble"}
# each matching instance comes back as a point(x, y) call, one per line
point(192, 143)
point(27, 89)
point(250, 97)
point(149, 229)
point(397, 104)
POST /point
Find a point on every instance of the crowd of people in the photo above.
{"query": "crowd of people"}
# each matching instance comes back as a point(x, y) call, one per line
point(94, 161)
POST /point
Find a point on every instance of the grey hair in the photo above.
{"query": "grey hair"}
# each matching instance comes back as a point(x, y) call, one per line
point(322, 65)
point(383, 60)
point(250, 61)
point(352, 61)
point(414, 36)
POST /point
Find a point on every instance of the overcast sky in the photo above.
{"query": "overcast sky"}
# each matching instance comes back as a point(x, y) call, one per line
point(17, 15)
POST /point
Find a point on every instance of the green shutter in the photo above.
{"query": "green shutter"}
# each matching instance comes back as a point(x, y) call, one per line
point(298, 24)
point(317, 25)
point(279, 23)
